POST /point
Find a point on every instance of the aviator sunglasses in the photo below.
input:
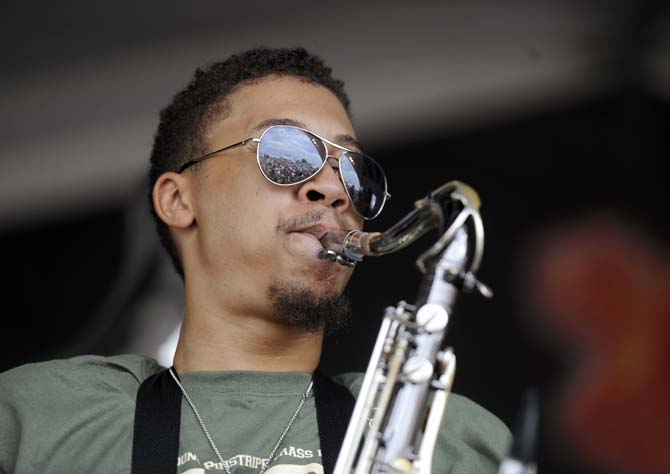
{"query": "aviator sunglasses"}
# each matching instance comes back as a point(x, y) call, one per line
point(289, 155)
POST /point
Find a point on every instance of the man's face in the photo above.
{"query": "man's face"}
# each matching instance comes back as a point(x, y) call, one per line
point(251, 234)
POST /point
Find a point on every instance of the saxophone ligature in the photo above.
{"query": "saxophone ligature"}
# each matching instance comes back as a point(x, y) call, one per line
point(404, 394)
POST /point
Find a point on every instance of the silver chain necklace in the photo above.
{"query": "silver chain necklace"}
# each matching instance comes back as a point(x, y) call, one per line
point(272, 454)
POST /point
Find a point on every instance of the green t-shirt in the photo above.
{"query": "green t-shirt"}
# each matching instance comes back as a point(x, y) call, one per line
point(76, 415)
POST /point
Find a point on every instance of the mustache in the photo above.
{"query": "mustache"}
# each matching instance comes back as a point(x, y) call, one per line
point(313, 216)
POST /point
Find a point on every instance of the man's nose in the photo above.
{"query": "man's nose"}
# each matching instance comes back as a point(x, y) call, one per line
point(327, 188)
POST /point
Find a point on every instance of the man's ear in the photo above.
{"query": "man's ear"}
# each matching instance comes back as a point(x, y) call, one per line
point(173, 200)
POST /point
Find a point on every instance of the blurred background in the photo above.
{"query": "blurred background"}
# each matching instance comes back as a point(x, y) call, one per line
point(551, 110)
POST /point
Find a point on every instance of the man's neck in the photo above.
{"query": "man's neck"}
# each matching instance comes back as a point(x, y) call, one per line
point(219, 341)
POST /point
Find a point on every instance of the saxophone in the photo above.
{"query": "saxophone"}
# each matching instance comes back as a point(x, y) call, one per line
point(404, 394)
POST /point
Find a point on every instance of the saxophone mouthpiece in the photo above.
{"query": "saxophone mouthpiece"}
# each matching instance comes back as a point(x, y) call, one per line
point(335, 257)
point(342, 246)
point(334, 239)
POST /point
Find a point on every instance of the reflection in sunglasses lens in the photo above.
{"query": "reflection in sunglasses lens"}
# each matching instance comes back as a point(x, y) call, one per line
point(365, 183)
point(289, 155)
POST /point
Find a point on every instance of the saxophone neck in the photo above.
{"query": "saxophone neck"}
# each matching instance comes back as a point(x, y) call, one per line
point(453, 206)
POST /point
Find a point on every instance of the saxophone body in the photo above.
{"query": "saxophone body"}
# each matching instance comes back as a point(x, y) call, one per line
point(404, 394)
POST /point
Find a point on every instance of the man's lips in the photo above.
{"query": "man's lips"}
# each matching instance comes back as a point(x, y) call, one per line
point(317, 230)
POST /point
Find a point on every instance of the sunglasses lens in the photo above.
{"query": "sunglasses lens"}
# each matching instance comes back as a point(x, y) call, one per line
point(289, 155)
point(365, 183)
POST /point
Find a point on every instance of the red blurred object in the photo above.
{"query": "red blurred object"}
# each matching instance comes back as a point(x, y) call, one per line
point(601, 286)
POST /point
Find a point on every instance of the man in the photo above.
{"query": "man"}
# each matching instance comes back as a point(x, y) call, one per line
point(242, 227)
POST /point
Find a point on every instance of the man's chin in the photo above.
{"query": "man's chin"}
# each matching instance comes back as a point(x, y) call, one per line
point(311, 309)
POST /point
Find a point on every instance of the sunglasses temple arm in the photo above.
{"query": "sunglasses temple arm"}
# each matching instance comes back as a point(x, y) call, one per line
point(195, 161)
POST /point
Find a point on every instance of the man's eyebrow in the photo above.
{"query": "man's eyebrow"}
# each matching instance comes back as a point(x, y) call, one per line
point(277, 121)
point(348, 141)
point(344, 139)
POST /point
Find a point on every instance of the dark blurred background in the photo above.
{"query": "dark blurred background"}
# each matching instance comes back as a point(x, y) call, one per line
point(552, 110)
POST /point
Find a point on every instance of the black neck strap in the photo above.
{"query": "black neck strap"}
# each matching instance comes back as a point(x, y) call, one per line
point(158, 414)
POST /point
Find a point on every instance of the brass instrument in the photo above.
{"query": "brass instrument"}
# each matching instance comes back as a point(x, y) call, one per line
point(399, 410)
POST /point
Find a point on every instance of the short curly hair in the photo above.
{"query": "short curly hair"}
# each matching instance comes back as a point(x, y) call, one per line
point(184, 123)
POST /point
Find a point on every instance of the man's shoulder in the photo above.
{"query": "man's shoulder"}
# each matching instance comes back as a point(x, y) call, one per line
point(82, 374)
point(351, 380)
point(70, 409)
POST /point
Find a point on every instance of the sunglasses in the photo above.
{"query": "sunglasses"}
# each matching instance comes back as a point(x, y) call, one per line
point(289, 155)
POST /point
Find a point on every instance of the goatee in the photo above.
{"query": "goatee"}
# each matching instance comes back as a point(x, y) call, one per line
point(303, 309)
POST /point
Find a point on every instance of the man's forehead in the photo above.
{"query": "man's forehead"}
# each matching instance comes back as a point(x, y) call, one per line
point(343, 139)
point(273, 100)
